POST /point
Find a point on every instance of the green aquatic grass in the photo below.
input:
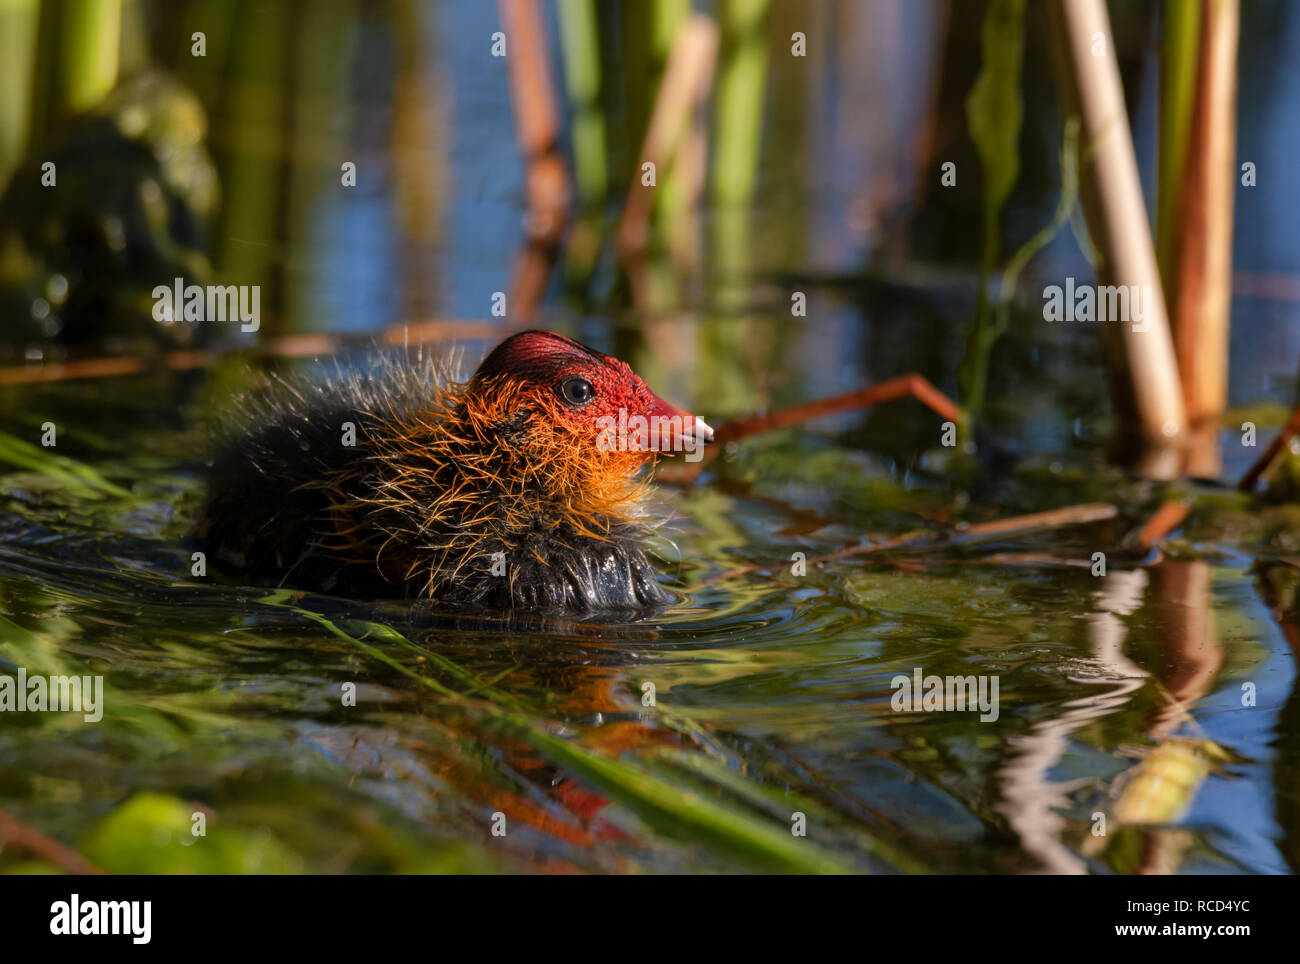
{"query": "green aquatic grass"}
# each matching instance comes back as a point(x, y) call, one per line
point(671, 807)
point(79, 479)
point(677, 811)
point(779, 803)
point(165, 717)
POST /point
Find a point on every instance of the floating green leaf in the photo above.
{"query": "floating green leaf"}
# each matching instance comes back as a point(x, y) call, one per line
point(153, 833)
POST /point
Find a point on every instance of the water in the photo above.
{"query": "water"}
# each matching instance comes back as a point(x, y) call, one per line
point(761, 701)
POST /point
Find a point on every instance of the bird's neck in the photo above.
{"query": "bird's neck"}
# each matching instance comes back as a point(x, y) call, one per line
point(506, 466)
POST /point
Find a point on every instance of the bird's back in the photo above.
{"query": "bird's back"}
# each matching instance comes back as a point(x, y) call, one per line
point(266, 512)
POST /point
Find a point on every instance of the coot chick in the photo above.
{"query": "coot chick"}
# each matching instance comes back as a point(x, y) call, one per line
point(518, 489)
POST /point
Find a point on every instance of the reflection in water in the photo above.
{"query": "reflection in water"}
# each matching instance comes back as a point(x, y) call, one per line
point(1160, 789)
point(1030, 801)
point(1192, 652)
point(1278, 585)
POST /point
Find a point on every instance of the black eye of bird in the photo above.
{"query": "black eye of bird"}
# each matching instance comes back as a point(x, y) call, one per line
point(576, 391)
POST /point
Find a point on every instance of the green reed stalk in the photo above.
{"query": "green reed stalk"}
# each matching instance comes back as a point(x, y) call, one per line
point(18, 25)
point(89, 33)
point(1179, 48)
point(738, 120)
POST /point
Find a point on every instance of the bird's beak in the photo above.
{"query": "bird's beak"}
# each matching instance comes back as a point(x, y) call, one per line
point(701, 430)
point(678, 431)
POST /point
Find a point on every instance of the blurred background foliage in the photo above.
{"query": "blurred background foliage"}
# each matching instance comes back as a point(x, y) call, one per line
point(220, 158)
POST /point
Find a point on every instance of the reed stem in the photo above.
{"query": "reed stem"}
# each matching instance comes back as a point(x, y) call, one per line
point(18, 26)
point(90, 31)
point(1147, 387)
point(738, 117)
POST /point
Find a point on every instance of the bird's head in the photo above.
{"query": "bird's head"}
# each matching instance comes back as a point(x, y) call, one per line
point(583, 419)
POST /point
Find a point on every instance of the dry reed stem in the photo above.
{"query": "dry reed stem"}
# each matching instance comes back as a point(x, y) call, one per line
point(1117, 217)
